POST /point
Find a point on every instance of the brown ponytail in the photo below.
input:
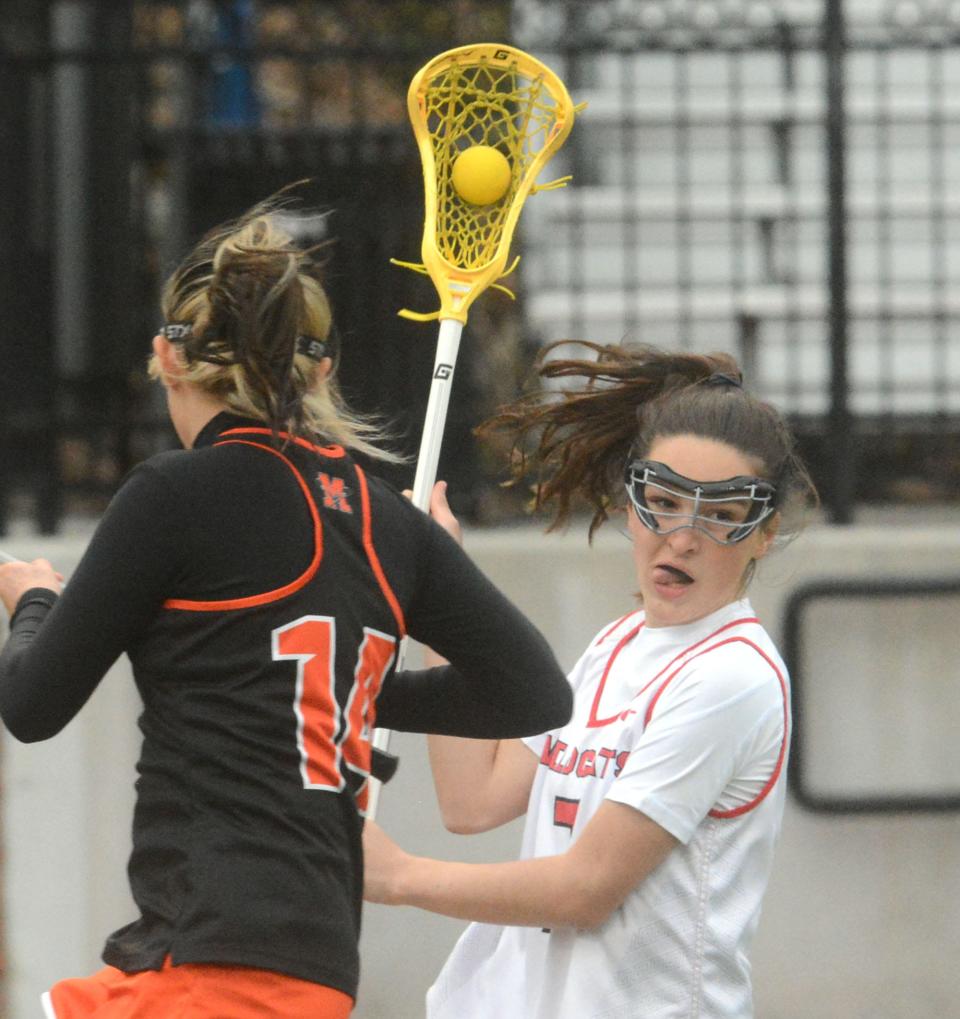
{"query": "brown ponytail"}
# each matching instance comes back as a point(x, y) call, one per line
point(576, 443)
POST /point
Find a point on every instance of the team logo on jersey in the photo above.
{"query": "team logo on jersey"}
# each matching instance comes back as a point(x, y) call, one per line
point(335, 493)
point(565, 812)
point(584, 763)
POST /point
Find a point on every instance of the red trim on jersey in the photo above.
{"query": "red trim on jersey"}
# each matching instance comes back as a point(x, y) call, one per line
point(374, 558)
point(334, 452)
point(595, 723)
point(228, 604)
point(687, 650)
point(778, 767)
point(606, 633)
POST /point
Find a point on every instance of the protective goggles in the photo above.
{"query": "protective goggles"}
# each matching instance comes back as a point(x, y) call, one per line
point(726, 511)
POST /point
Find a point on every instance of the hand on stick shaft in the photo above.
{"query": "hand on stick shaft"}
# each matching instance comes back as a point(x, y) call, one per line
point(441, 512)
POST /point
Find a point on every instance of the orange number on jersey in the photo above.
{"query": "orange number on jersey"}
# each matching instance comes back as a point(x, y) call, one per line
point(326, 732)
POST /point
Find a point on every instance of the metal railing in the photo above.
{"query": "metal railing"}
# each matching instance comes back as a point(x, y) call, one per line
point(776, 180)
point(135, 128)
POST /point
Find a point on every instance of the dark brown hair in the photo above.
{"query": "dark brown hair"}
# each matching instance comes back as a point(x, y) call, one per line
point(575, 443)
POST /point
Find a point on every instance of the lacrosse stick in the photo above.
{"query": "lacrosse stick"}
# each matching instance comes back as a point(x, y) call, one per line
point(5, 557)
point(487, 118)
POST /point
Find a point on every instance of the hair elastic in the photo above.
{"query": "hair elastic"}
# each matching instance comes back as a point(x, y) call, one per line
point(723, 379)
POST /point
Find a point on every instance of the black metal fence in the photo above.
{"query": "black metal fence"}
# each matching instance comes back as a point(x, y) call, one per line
point(776, 179)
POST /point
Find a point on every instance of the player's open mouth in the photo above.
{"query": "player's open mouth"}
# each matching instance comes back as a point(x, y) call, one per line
point(671, 575)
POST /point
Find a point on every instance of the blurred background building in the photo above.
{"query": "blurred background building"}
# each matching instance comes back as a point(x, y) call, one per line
point(774, 178)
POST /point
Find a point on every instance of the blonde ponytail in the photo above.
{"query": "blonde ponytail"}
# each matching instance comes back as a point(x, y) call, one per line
point(245, 297)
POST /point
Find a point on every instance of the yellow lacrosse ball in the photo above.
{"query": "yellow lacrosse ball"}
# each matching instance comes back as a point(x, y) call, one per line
point(481, 175)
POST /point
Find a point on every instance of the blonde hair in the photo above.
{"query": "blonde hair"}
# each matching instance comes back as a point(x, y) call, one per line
point(247, 293)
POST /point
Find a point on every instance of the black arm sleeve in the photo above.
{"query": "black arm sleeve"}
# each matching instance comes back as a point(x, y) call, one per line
point(503, 680)
point(60, 648)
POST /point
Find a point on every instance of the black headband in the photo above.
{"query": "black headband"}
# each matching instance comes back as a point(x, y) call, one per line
point(309, 346)
point(175, 332)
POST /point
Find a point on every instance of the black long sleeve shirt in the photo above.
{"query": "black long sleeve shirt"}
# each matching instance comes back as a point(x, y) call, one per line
point(260, 592)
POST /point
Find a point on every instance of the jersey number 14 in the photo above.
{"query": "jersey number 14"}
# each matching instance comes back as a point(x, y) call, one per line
point(332, 731)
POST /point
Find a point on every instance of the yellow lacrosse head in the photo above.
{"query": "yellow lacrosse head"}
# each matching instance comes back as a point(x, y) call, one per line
point(467, 102)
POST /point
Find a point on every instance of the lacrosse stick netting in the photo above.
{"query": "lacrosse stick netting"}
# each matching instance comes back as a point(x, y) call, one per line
point(489, 95)
point(485, 95)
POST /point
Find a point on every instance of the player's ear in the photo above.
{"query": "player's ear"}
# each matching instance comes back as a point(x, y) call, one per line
point(167, 360)
point(323, 369)
point(767, 535)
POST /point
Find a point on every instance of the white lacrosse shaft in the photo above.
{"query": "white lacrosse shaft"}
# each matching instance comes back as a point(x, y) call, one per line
point(448, 345)
point(5, 557)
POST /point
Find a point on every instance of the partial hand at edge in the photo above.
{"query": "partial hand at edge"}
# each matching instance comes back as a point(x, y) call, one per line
point(18, 578)
point(441, 512)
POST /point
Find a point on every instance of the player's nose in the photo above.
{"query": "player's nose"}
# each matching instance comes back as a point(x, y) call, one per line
point(685, 538)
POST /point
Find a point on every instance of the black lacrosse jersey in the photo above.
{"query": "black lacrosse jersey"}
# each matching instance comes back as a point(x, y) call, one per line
point(256, 723)
point(261, 587)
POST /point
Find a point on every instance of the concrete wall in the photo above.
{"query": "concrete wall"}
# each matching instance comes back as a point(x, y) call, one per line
point(861, 917)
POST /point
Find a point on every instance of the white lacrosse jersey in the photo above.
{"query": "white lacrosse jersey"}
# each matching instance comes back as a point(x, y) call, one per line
point(690, 725)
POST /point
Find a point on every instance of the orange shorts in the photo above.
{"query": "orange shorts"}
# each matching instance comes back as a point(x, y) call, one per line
point(194, 991)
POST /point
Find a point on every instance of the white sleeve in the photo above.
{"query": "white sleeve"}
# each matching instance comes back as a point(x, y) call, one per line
point(715, 739)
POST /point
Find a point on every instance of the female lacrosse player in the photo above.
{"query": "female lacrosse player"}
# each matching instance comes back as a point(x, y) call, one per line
point(652, 815)
point(260, 582)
